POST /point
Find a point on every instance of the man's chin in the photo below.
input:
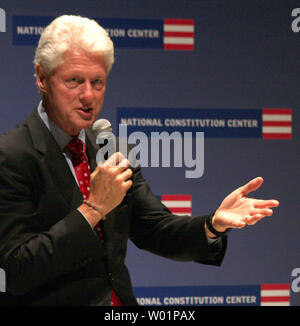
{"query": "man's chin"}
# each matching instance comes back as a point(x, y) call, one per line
point(75, 130)
point(87, 124)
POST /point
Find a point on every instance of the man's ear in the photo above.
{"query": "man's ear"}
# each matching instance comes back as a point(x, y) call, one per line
point(41, 78)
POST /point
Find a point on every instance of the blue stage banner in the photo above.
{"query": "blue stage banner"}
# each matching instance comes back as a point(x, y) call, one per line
point(227, 295)
point(215, 123)
point(168, 34)
point(28, 29)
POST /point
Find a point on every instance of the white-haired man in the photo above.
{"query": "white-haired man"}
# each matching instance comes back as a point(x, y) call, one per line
point(64, 221)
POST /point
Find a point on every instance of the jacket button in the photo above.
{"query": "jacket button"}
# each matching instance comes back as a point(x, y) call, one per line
point(110, 277)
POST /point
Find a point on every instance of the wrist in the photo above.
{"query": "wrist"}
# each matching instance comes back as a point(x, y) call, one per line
point(95, 207)
point(91, 214)
point(215, 224)
point(213, 230)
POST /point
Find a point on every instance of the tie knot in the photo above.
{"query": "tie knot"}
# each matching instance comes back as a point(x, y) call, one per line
point(77, 149)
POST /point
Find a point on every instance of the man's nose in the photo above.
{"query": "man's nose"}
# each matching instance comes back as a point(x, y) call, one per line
point(86, 95)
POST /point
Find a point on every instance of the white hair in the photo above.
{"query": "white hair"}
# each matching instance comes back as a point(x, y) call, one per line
point(67, 33)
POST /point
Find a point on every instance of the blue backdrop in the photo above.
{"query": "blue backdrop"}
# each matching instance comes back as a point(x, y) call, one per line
point(244, 55)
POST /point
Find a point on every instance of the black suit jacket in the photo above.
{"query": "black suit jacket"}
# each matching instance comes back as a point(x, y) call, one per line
point(49, 252)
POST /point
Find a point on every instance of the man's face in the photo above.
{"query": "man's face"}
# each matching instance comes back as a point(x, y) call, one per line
point(74, 91)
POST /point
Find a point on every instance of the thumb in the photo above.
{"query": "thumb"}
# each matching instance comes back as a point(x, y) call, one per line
point(252, 185)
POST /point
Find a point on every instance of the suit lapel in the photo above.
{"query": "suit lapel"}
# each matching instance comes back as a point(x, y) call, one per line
point(62, 175)
point(53, 158)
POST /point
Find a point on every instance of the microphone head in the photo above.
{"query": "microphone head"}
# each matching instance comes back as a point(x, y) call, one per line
point(101, 125)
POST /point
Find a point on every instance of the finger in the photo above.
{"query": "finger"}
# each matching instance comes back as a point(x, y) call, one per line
point(114, 159)
point(127, 184)
point(127, 174)
point(124, 163)
point(261, 212)
point(97, 170)
point(238, 224)
point(122, 166)
point(253, 218)
point(252, 185)
point(266, 203)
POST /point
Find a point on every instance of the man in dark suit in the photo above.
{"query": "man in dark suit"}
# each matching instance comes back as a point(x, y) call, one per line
point(64, 223)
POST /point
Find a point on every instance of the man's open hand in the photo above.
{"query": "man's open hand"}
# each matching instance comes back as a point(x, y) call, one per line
point(237, 210)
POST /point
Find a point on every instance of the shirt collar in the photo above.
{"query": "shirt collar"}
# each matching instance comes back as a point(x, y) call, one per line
point(61, 137)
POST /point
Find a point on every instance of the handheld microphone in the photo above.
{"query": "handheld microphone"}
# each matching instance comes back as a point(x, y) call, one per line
point(101, 125)
point(102, 130)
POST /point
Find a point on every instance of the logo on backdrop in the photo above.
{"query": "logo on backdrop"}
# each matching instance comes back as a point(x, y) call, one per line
point(177, 204)
point(168, 34)
point(239, 295)
point(215, 123)
point(2, 20)
point(296, 22)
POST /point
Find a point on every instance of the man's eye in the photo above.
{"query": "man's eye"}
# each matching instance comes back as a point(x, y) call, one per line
point(98, 83)
point(72, 82)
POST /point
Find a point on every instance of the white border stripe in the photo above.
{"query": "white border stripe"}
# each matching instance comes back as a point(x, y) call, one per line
point(277, 117)
point(277, 130)
point(179, 28)
point(173, 203)
point(178, 40)
point(275, 293)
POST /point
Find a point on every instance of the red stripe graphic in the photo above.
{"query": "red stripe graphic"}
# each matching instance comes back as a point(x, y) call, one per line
point(277, 111)
point(179, 34)
point(275, 299)
point(275, 295)
point(176, 197)
point(178, 204)
point(276, 136)
point(186, 47)
point(275, 287)
point(174, 21)
point(277, 123)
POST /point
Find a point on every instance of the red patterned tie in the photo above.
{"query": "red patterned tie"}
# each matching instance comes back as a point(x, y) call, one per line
point(81, 166)
point(83, 173)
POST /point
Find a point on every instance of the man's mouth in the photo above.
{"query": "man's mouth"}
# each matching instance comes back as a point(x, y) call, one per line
point(86, 110)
